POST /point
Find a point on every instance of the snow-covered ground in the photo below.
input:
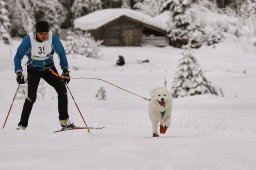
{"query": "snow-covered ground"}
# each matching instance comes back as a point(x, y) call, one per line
point(207, 132)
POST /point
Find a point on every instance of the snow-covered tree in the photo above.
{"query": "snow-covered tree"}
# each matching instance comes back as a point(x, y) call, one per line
point(67, 4)
point(4, 22)
point(4, 35)
point(83, 44)
point(4, 16)
point(71, 44)
point(111, 4)
point(186, 29)
point(101, 94)
point(189, 79)
point(126, 3)
point(83, 7)
point(21, 17)
point(149, 7)
point(51, 11)
point(24, 14)
point(234, 4)
point(214, 37)
point(247, 20)
point(183, 30)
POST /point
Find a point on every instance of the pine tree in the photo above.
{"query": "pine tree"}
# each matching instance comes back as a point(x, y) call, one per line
point(182, 31)
point(51, 11)
point(24, 14)
point(4, 18)
point(101, 94)
point(83, 44)
point(189, 79)
point(67, 4)
point(4, 22)
point(126, 3)
point(247, 19)
point(70, 45)
point(83, 7)
point(21, 17)
point(149, 7)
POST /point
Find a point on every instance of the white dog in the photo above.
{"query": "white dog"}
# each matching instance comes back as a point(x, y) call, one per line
point(159, 108)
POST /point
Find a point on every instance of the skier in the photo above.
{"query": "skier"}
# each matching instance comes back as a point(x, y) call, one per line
point(39, 47)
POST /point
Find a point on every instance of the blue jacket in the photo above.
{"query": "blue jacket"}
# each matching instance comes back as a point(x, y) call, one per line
point(25, 49)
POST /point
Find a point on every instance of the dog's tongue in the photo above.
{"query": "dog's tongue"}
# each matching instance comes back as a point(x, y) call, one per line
point(162, 103)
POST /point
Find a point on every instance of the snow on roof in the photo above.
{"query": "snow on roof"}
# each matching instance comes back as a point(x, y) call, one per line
point(101, 17)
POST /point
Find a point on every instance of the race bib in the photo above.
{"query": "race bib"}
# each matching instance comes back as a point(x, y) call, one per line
point(40, 50)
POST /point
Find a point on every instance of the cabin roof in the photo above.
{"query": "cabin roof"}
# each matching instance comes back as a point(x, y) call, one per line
point(99, 18)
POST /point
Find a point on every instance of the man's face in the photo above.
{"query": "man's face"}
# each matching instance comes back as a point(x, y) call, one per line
point(42, 36)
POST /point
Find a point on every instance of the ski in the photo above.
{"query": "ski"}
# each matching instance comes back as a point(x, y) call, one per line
point(77, 128)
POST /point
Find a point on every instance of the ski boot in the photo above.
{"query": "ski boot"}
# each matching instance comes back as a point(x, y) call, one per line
point(20, 127)
point(67, 124)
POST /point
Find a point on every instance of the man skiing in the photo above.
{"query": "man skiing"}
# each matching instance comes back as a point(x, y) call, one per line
point(39, 47)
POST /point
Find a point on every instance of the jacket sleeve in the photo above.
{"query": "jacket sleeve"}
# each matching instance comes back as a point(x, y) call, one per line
point(21, 52)
point(58, 47)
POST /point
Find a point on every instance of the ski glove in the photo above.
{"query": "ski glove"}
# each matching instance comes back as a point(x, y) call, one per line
point(66, 77)
point(20, 77)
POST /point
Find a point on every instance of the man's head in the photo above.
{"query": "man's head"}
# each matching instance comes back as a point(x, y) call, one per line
point(42, 30)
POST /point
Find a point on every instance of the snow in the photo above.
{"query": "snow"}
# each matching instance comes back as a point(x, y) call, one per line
point(101, 17)
point(207, 132)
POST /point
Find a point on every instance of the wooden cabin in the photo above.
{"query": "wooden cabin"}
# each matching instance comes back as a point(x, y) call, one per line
point(123, 27)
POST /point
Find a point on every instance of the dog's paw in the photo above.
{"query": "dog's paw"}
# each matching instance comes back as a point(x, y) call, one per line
point(163, 129)
point(155, 135)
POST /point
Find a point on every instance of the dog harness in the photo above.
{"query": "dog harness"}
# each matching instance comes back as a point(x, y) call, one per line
point(162, 114)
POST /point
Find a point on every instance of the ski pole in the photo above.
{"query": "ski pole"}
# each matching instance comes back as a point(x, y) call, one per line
point(78, 108)
point(11, 105)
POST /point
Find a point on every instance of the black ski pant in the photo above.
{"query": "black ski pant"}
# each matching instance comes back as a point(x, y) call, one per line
point(34, 76)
